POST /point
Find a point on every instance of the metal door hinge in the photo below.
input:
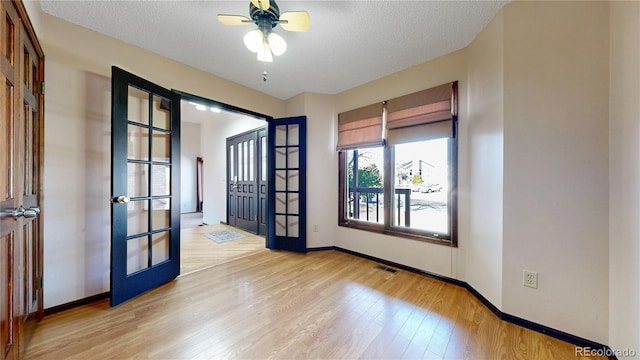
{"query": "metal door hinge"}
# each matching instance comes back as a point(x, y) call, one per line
point(42, 88)
point(39, 283)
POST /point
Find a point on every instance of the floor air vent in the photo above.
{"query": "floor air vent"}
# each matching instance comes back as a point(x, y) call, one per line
point(387, 269)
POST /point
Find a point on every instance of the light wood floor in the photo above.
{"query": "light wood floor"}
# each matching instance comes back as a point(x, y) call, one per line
point(198, 252)
point(281, 305)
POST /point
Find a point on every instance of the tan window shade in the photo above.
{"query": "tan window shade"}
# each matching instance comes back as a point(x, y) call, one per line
point(360, 127)
point(438, 130)
point(422, 107)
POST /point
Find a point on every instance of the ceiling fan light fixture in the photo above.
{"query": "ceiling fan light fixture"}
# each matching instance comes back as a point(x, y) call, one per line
point(277, 44)
point(264, 54)
point(253, 40)
point(266, 15)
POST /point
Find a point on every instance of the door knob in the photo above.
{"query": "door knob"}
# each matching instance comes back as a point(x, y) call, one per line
point(15, 213)
point(28, 213)
point(122, 199)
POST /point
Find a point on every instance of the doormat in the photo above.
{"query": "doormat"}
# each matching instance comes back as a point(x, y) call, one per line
point(223, 236)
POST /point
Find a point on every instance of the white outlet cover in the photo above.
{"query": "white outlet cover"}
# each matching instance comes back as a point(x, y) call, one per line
point(530, 279)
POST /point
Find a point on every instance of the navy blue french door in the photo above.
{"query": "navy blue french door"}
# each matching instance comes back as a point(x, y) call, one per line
point(145, 185)
point(287, 158)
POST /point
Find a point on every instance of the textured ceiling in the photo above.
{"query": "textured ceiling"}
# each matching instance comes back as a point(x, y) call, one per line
point(349, 43)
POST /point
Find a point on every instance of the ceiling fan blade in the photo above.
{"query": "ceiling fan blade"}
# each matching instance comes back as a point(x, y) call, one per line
point(234, 19)
point(295, 21)
point(261, 4)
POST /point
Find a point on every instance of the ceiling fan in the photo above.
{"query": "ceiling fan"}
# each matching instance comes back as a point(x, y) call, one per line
point(266, 15)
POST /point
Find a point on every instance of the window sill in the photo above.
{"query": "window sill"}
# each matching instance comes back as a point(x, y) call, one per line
point(380, 229)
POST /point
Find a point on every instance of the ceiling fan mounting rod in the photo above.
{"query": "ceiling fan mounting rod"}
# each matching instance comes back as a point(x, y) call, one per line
point(265, 19)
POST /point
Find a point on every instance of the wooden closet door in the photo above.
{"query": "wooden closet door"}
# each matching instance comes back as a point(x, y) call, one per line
point(21, 125)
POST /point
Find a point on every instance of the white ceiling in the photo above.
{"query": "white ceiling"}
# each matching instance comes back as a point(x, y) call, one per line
point(349, 43)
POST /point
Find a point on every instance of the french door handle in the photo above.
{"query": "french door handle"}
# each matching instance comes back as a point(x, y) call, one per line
point(122, 199)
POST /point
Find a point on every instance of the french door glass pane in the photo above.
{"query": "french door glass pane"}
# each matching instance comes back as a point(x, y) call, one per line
point(161, 146)
point(137, 217)
point(137, 182)
point(138, 106)
point(281, 158)
point(281, 202)
point(293, 180)
point(281, 135)
point(281, 180)
point(137, 254)
point(293, 138)
point(161, 180)
point(293, 225)
point(293, 206)
point(138, 139)
point(160, 247)
point(293, 157)
point(161, 218)
point(281, 225)
point(161, 113)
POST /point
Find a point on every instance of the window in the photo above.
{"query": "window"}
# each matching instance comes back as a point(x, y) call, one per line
point(365, 193)
point(403, 185)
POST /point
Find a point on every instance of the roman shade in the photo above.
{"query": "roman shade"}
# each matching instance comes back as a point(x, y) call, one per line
point(423, 115)
point(362, 127)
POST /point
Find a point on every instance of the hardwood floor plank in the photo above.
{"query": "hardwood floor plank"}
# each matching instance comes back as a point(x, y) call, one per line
point(280, 305)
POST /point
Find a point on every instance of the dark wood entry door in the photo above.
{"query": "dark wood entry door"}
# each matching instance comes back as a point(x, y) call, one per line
point(21, 158)
point(262, 182)
point(243, 181)
point(145, 185)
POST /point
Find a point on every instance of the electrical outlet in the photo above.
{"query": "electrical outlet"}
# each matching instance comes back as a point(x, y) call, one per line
point(315, 228)
point(530, 279)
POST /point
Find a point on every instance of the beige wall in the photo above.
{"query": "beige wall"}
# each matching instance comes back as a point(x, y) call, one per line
point(624, 169)
point(556, 187)
point(189, 152)
point(485, 127)
point(77, 183)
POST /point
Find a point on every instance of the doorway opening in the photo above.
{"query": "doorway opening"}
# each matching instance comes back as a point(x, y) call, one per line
point(206, 126)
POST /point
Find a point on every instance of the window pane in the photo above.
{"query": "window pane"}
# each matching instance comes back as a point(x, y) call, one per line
point(232, 171)
point(420, 199)
point(245, 161)
point(263, 169)
point(251, 159)
point(365, 194)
